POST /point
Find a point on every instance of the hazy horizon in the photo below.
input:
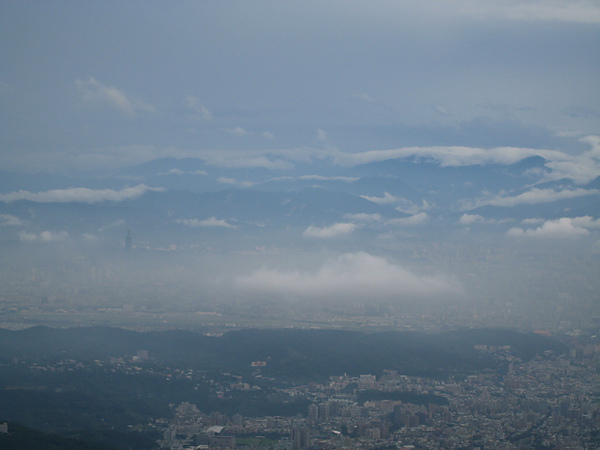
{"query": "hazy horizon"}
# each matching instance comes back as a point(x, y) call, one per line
point(385, 158)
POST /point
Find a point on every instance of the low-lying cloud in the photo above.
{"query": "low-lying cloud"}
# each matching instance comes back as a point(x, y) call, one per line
point(79, 195)
point(351, 275)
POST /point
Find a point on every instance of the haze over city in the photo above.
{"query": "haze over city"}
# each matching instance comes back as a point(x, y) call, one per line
point(372, 151)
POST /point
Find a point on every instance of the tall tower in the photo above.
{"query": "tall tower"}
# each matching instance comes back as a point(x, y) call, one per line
point(128, 241)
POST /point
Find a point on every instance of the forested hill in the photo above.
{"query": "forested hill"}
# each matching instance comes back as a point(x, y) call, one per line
point(19, 437)
point(288, 353)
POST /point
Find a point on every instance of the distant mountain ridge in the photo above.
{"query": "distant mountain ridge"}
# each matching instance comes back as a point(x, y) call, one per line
point(247, 198)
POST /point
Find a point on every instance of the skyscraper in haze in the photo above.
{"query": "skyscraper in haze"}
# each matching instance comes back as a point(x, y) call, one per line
point(128, 241)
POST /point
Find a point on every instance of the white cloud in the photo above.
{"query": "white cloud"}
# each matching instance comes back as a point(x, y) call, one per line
point(211, 222)
point(44, 236)
point(586, 222)
point(579, 168)
point(194, 103)
point(268, 135)
point(338, 229)
point(467, 219)
point(7, 220)
point(416, 219)
point(564, 227)
point(237, 131)
point(79, 195)
point(534, 196)
point(408, 207)
point(351, 275)
point(92, 91)
point(452, 156)
point(386, 199)
point(594, 142)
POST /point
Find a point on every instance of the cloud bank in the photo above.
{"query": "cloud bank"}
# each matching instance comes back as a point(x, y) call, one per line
point(351, 275)
point(79, 195)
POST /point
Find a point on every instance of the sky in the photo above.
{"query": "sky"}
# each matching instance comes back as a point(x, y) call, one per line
point(276, 97)
point(99, 86)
